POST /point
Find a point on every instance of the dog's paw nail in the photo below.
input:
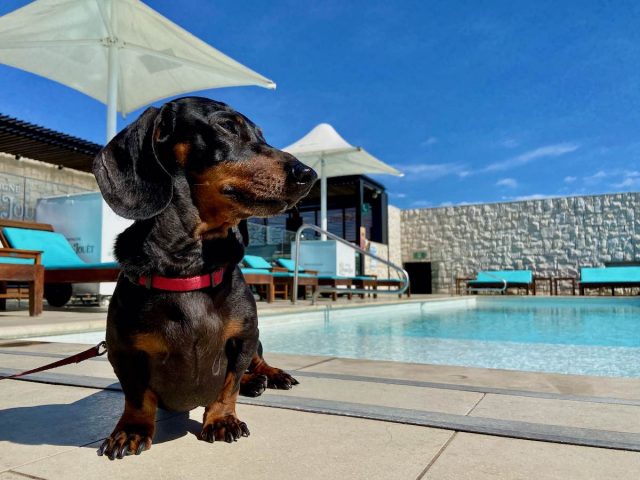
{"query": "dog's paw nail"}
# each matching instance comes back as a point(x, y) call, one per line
point(228, 429)
point(102, 448)
point(208, 435)
point(123, 451)
point(122, 444)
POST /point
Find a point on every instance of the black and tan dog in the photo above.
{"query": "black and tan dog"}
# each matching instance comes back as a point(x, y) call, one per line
point(182, 324)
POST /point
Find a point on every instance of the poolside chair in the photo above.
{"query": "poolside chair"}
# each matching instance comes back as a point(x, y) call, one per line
point(501, 280)
point(19, 267)
point(262, 279)
point(610, 277)
point(62, 266)
point(283, 276)
point(318, 279)
point(308, 279)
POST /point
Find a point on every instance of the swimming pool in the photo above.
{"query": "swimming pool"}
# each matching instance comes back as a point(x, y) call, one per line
point(587, 336)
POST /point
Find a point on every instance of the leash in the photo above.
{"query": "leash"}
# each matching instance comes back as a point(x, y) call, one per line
point(97, 351)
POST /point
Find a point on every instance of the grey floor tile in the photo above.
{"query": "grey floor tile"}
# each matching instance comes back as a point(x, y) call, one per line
point(619, 418)
point(482, 457)
point(283, 445)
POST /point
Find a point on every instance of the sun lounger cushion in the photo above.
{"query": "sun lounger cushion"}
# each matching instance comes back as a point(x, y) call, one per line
point(610, 275)
point(57, 253)
point(291, 274)
point(256, 271)
point(289, 264)
point(510, 276)
point(253, 261)
point(55, 248)
point(16, 261)
point(83, 265)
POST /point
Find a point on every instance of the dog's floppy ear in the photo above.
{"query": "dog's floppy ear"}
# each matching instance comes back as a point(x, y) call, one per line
point(243, 228)
point(132, 177)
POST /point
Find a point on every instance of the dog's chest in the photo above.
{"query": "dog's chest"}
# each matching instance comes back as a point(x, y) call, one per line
point(187, 360)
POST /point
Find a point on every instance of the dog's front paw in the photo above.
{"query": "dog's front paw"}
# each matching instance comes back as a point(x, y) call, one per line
point(227, 428)
point(280, 379)
point(128, 441)
point(253, 384)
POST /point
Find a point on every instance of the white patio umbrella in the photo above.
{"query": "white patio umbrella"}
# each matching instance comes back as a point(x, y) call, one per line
point(120, 52)
point(324, 150)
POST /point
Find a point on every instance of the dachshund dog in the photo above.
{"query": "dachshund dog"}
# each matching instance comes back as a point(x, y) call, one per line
point(182, 323)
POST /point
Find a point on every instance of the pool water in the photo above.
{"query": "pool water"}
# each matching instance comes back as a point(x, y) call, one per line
point(589, 336)
point(584, 336)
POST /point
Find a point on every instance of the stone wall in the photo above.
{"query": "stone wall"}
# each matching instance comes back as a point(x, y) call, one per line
point(391, 252)
point(24, 181)
point(552, 237)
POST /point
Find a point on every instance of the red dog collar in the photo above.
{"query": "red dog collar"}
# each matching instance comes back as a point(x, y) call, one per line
point(184, 284)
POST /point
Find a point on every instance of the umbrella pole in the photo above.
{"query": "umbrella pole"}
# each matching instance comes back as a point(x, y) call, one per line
point(112, 92)
point(323, 199)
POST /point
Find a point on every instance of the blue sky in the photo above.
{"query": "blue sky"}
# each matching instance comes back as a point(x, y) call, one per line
point(476, 101)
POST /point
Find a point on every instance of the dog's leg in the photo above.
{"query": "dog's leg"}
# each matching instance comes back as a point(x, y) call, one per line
point(136, 427)
point(220, 421)
point(261, 373)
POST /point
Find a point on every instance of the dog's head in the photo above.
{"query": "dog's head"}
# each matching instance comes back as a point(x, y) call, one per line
point(231, 171)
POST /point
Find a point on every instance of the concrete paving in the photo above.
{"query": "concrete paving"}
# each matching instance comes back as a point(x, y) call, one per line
point(347, 419)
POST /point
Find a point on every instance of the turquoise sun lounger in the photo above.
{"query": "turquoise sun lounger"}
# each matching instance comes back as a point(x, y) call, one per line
point(282, 274)
point(62, 266)
point(611, 277)
point(501, 280)
point(17, 268)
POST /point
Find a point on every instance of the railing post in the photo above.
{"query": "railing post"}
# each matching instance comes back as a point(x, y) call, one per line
point(307, 226)
point(294, 294)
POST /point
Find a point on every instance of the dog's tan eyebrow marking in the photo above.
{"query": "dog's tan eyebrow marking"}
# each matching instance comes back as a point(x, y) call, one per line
point(150, 343)
point(181, 151)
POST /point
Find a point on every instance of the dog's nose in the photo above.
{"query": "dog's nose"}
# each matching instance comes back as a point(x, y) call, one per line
point(300, 173)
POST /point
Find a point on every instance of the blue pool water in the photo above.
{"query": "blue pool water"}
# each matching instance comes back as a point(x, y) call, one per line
point(585, 336)
point(582, 336)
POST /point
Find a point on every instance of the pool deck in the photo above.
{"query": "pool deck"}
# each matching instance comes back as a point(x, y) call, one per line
point(346, 419)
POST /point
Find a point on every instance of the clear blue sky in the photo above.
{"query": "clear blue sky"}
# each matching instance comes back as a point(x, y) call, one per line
point(476, 101)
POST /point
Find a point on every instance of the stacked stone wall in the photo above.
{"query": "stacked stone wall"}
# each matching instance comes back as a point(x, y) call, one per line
point(391, 252)
point(552, 237)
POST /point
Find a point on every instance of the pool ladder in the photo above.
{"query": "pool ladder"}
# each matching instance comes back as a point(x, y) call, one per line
point(328, 289)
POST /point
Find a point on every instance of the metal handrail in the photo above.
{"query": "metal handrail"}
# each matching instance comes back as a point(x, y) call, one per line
point(488, 274)
point(307, 226)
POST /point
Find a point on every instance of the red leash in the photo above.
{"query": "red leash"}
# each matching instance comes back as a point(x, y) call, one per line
point(96, 351)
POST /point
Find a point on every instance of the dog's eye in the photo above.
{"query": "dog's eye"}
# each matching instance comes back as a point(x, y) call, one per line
point(230, 127)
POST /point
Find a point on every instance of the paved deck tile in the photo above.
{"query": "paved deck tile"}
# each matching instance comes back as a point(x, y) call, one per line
point(620, 418)
point(400, 396)
point(482, 457)
point(283, 445)
point(511, 379)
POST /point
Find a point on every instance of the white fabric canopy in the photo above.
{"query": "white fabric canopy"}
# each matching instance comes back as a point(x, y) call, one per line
point(324, 150)
point(120, 52)
point(340, 158)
